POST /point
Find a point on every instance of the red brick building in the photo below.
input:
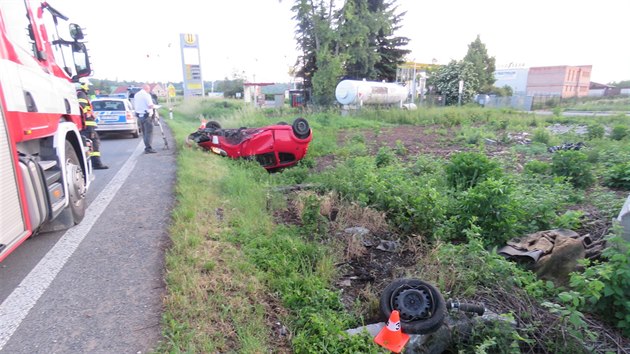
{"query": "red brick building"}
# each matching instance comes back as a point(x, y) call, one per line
point(563, 81)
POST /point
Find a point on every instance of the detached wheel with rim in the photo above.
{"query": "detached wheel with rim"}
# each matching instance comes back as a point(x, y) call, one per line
point(75, 184)
point(301, 129)
point(422, 308)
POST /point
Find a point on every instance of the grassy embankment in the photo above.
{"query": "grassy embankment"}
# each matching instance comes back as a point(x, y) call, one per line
point(234, 278)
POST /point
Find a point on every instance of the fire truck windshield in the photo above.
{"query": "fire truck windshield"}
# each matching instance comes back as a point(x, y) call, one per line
point(69, 53)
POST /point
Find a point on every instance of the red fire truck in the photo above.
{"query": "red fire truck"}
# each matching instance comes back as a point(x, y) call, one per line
point(45, 170)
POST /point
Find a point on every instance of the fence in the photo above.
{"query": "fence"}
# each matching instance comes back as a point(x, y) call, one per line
point(523, 103)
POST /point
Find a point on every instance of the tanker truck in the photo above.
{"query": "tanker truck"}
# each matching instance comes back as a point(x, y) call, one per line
point(356, 93)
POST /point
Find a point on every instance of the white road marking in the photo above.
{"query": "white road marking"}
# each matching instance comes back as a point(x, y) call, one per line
point(20, 302)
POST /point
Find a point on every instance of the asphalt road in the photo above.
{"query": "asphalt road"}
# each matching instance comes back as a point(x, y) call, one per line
point(97, 287)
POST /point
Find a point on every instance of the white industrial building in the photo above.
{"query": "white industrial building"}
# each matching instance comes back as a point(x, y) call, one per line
point(516, 78)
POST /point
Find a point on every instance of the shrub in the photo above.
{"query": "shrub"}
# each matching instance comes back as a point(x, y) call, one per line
point(606, 285)
point(557, 111)
point(569, 220)
point(385, 157)
point(426, 165)
point(540, 198)
point(537, 167)
point(595, 131)
point(618, 176)
point(533, 149)
point(541, 135)
point(574, 166)
point(466, 169)
point(619, 132)
point(313, 223)
point(490, 204)
point(296, 175)
point(401, 150)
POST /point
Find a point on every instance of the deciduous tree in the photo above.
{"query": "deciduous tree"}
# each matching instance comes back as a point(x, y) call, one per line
point(446, 82)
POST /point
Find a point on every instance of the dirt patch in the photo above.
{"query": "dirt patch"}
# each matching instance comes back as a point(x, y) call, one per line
point(365, 276)
point(414, 139)
point(409, 141)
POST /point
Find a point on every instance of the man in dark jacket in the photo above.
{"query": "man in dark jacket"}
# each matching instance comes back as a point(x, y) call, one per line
point(89, 124)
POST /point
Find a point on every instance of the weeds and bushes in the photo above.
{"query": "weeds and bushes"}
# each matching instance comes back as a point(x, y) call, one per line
point(466, 169)
point(437, 199)
point(618, 176)
point(574, 166)
point(604, 286)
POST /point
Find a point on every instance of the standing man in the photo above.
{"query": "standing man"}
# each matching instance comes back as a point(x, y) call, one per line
point(89, 123)
point(144, 111)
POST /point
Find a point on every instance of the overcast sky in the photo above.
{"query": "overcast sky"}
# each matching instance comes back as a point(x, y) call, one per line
point(139, 39)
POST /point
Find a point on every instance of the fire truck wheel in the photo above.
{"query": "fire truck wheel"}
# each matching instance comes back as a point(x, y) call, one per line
point(75, 184)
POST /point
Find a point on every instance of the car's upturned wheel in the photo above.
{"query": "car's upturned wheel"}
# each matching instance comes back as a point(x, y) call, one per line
point(421, 306)
point(75, 183)
point(301, 129)
point(213, 125)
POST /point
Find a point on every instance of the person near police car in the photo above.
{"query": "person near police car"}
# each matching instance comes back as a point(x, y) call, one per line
point(89, 123)
point(143, 104)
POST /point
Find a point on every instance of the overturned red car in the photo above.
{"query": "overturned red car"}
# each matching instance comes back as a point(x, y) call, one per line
point(273, 146)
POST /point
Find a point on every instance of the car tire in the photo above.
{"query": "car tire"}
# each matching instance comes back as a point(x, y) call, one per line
point(136, 133)
point(416, 317)
point(213, 125)
point(301, 129)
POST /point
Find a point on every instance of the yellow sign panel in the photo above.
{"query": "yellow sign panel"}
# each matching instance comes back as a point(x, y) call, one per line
point(171, 90)
point(189, 38)
point(194, 86)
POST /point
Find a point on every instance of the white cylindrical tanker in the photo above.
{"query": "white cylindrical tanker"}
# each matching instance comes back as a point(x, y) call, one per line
point(355, 92)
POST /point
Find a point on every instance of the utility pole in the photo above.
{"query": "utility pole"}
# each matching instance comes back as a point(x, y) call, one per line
point(413, 94)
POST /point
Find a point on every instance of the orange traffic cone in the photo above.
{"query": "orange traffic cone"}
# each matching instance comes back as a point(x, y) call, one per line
point(391, 337)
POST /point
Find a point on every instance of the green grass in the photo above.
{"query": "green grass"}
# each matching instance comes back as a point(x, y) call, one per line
point(216, 301)
point(600, 104)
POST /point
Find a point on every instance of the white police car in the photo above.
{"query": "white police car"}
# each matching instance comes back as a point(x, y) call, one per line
point(115, 115)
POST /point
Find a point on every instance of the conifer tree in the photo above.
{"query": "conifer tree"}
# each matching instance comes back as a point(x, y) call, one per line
point(483, 65)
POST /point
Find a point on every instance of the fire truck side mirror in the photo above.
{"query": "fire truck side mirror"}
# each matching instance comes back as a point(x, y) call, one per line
point(81, 61)
point(76, 32)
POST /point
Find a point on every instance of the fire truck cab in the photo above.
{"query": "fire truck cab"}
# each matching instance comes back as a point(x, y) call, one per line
point(45, 170)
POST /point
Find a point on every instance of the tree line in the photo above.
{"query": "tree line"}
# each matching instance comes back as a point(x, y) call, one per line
point(358, 41)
